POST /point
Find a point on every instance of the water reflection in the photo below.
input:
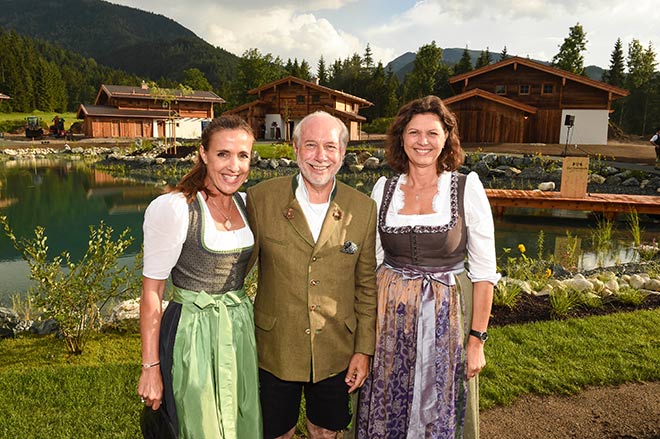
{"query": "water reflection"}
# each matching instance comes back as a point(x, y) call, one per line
point(66, 197)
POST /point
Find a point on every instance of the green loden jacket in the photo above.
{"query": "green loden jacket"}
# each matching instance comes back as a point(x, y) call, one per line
point(316, 304)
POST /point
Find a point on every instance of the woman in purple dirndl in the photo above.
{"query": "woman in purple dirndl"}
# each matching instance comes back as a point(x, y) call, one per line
point(432, 320)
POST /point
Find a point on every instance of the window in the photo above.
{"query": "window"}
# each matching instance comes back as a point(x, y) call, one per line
point(500, 89)
point(316, 99)
point(523, 89)
point(300, 99)
point(548, 89)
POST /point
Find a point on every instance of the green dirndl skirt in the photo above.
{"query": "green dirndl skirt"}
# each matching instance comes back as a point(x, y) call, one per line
point(214, 372)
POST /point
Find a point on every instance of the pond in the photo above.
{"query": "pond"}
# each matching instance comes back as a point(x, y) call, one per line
point(67, 196)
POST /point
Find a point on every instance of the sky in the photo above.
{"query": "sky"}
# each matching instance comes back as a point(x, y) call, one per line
point(336, 29)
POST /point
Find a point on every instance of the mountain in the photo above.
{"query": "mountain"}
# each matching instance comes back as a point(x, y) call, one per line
point(403, 64)
point(138, 42)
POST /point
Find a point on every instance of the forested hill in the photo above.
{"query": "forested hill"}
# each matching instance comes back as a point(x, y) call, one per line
point(38, 75)
point(141, 43)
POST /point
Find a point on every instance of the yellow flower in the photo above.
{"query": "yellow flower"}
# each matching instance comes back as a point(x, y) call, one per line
point(521, 247)
point(548, 272)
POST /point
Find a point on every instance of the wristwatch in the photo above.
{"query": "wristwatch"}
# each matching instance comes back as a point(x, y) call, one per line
point(483, 336)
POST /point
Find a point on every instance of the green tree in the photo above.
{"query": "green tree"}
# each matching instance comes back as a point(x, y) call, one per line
point(464, 65)
point(195, 79)
point(368, 60)
point(422, 80)
point(616, 75)
point(484, 59)
point(570, 57)
point(641, 80)
point(255, 70)
point(322, 72)
point(504, 54)
point(304, 72)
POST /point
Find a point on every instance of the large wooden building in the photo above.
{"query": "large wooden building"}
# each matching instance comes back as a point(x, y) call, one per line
point(281, 104)
point(127, 111)
point(522, 101)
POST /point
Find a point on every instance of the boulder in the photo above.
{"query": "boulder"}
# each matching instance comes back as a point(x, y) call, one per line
point(546, 186)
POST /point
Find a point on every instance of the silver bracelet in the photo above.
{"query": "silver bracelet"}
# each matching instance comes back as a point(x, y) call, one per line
point(150, 365)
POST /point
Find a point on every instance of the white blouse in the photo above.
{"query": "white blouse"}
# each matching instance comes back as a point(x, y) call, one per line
point(166, 227)
point(482, 261)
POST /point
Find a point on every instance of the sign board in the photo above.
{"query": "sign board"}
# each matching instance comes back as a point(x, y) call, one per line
point(574, 173)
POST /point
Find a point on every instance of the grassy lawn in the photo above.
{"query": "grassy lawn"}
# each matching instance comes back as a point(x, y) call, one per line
point(45, 118)
point(46, 393)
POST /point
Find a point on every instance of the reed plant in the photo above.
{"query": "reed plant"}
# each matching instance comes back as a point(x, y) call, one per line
point(632, 220)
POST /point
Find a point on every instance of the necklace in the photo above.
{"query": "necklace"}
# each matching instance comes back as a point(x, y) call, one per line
point(227, 222)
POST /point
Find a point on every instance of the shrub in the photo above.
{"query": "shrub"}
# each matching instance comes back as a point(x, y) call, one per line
point(377, 126)
point(75, 293)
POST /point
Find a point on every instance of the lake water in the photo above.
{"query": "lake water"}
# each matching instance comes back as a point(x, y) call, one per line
point(66, 197)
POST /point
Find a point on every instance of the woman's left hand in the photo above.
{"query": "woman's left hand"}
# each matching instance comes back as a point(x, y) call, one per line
point(476, 359)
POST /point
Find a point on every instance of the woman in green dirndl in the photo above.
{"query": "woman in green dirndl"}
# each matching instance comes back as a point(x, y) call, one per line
point(199, 361)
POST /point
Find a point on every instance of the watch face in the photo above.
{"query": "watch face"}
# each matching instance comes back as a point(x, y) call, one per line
point(483, 336)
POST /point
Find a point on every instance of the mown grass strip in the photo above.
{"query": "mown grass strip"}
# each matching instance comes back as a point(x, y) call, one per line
point(46, 393)
point(562, 357)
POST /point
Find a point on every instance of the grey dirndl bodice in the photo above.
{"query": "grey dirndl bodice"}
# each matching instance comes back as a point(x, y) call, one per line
point(202, 269)
point(425, 246)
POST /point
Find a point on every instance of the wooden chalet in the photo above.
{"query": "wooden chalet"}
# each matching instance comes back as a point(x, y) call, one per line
point(127, 111)
point(4, 97)
point(522, 101)
point(281, 104)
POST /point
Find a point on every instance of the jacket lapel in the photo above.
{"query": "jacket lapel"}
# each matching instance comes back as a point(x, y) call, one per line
point(332, 221)
point(293, 212)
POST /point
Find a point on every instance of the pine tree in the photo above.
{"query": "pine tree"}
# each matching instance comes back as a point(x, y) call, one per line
point(504, 54)
point(464, 65)
point(616, 74)
point(304, 71)
point(321, 72)
point(484, 59)
point(368, 59)
point(570, 56)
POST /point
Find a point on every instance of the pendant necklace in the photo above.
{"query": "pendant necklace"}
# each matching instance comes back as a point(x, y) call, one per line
point(227, 222)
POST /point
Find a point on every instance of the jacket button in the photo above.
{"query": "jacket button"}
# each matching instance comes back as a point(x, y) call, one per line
point(312, 308)
point(314, 283)
point(307, 331)
point(314, 258)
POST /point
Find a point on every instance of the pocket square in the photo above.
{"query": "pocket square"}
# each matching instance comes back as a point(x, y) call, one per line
point(349, 247)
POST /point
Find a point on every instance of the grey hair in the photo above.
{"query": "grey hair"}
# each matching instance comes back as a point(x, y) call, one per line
point(343, 133)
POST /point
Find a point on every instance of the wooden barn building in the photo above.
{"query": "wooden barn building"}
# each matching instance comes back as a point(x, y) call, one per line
point(522, 101)
point(127, 111)
point(281, 104)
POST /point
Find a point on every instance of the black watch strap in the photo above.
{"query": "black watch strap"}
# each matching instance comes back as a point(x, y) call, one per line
point(483, 336)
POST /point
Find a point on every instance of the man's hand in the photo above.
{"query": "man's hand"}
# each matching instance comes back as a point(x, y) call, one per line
point(358, 371)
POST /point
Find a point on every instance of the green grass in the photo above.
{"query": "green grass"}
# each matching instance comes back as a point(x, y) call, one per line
point(562, 357)
point(47, 393)
point(46, 118)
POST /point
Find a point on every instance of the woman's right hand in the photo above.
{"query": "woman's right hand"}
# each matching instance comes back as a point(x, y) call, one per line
point(150, 387)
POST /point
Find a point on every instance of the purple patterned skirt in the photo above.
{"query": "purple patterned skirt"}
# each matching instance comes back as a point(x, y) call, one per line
point(417, 388)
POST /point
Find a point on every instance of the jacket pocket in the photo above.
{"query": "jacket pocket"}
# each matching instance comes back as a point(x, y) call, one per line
point(264, 321)
point(351, 323)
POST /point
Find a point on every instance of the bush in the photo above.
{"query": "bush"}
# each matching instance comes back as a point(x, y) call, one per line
point(74, 294)
point(377, 126)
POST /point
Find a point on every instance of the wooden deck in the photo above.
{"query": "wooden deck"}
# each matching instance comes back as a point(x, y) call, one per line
point(607, 204)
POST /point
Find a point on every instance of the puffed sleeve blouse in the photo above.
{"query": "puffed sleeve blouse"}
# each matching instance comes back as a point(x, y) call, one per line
point(482, 263)
point(165, 229)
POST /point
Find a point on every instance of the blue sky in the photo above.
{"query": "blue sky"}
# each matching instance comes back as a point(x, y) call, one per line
point(307, 29)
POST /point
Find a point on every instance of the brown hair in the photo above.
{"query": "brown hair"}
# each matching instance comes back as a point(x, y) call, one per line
point(451, 157)
point(194, 180)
